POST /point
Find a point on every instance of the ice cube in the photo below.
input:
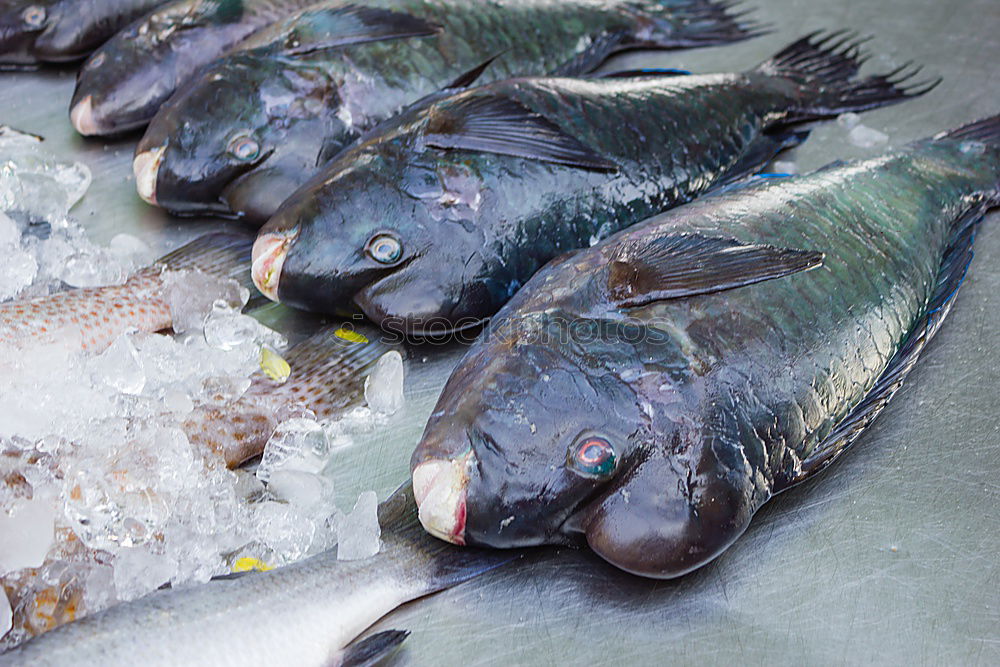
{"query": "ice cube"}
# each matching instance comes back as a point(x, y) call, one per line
point(310, 493)
point(227, 329)
point(6, 613)
point(10, 233)
point(137, 572)
point(284, 530)
point(26, 534)
point(191, 296)
point(17, 271)
point(384, 385)
point(785, 167)
point(131, 250)
point(92, 267)
point(33, 181)
point(866, 137)
point(359, 534)
point(848, 120)
point(178, 402)
point(297, 444)
point(119, 367)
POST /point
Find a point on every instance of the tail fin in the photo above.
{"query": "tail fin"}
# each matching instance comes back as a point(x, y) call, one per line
point(373, 650)
point(825, 66)
point(680, 24)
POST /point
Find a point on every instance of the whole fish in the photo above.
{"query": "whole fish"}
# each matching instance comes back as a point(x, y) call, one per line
point(304, 614)
point(243, 134)
point(646, 395)
point(433, 221)
point(94, 317)
point(123, 84)
point(39, 31)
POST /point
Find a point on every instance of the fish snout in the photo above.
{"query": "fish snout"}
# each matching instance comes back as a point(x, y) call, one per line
point(82, 117)
point(268, 257)
point(146, 167)
point(440, 488)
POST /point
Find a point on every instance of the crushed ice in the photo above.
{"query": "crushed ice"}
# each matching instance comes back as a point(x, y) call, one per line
point(44, 250)
point(103, 498)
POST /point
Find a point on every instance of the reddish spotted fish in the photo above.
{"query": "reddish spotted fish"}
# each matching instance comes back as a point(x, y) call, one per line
point(97, 316)
point(328, 373)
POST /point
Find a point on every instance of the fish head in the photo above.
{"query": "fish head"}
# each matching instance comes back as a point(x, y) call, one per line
point(363, 232)
point(531, 426)
point(21, 24)
point(237, 139)
point(119, 86)
point(71, 32)
point(555, 429)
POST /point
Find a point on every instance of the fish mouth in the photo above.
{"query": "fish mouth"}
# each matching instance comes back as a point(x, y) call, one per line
point(440, 488)
point(268, 258)
point(145, 166)
point(82, 117)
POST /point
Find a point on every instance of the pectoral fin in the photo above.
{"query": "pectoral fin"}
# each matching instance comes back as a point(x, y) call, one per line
point(494, 124)
point(353, 24)
point(373, 650)
point(683, 265)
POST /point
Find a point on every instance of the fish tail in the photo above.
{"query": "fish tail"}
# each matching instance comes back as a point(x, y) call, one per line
point(825, 67)
point(373, 650)
point(675, 24)
point(221, 254)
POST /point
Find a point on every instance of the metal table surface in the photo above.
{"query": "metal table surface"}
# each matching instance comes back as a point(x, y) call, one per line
point(891, 556)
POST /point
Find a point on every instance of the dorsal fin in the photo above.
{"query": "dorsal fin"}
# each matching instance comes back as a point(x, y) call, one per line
point(318, 30)
point(684, 265)
point(954, 266)
point(497, 124)
point(468, 78)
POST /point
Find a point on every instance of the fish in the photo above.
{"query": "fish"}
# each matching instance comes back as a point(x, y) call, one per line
point(307, 613)
point(93, 318)
point(243, 134)
point(433, 221)
point(123, 84)
point(33, 32)
point(328, 372)
point(648, 395)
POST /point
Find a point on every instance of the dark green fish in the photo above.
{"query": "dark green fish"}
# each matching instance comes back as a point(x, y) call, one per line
point(308, 614)
point(248, 130)
point(647, 394)
point(123, 84)
point(433, 221)
point(51, 31)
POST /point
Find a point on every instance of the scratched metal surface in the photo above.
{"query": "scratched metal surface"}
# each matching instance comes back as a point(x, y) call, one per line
point(890, 556)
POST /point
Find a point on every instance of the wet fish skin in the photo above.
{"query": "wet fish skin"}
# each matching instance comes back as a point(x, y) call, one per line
point(301, 106)
point(713, 403)
point(123, 84)
point(37, 31)
point(477, 210)
point(94, 317)
point(303, 614)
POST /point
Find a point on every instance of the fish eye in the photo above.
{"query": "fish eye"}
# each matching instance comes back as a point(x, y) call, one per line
point(34, 16)
point(592, 457)
point(244, 148)
point(385, 248)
